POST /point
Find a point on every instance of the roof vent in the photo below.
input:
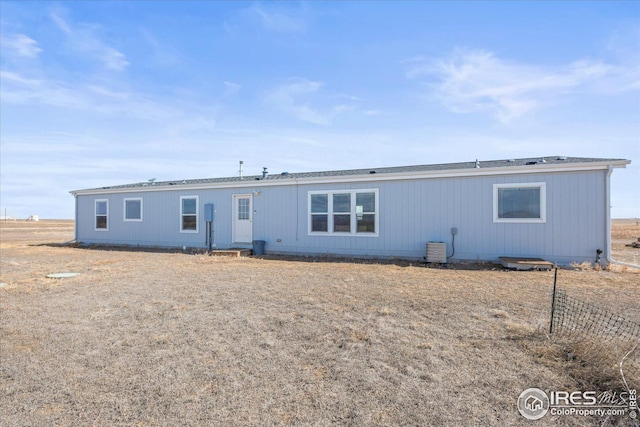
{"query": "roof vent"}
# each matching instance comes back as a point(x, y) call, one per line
point(265, 172)
point(531, 163)
point(542, 160)
point(372, 171)
point(477, 166)
point(511, 161)
point(562, 158)
point(284, 173)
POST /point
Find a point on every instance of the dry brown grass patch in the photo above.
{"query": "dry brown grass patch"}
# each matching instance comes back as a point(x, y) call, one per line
point(172, 339)
point(596, 364)
point(625, 229)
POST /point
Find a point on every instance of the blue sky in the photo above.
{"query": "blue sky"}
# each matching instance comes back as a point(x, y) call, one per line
point(105, 93)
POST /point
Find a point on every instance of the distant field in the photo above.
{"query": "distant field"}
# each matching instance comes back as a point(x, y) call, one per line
point(624, 232)
point(625, 228)
point(144, 338)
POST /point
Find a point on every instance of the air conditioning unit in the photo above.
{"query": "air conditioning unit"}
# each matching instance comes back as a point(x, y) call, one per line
point(437, 252)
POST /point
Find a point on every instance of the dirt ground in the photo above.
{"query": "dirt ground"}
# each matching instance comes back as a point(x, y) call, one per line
point(164, 339)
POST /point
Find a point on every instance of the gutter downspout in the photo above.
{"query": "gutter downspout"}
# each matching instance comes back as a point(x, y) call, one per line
point(607, 200)
point(75, 220)
point(607, 212)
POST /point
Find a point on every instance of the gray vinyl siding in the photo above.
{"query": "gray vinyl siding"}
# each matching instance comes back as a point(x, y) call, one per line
point(411, 213)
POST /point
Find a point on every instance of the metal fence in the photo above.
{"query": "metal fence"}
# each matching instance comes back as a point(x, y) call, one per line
point(601, 330)
point(573, 315)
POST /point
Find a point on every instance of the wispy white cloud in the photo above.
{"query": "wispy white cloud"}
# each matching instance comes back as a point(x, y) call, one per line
point(294, 98)
point(95, 96)
point(20, 45)
point(10, 77)
point(163, 53)
point(112, 58)
point(343, 108)
point(623, 45)
point(274, 18)
point(479, 81)
point(23, 90)
point(231, 88)
point(310, 101)
point(192, 128)
point(109, 93)
point(83, 38)
point(60, 23)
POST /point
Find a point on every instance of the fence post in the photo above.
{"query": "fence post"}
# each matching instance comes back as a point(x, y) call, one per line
point(553, 300)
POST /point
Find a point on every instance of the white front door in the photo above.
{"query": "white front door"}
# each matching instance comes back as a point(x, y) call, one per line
point(242, 218)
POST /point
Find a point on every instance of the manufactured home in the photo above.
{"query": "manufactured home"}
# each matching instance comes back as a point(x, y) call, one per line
point(555, 208)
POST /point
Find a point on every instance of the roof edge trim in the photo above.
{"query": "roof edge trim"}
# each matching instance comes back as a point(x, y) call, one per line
point(394, 176)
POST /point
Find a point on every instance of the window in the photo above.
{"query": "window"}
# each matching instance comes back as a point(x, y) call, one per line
point(319, 212)
point(189, 214)
point(343, 212)
point(243, 208)
point(102, 215)
point(133, 209)
point(526, 202)
point(366, 212)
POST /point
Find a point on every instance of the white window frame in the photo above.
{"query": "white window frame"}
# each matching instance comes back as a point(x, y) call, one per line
point(197, 214)
point(95, 215)
point(543, 203)
point(124, 209)
point(352, 213)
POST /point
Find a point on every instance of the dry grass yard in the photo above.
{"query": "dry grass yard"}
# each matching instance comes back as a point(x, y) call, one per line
point(167, 339)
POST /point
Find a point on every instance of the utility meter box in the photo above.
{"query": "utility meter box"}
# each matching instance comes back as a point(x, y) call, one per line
point(208, 212)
